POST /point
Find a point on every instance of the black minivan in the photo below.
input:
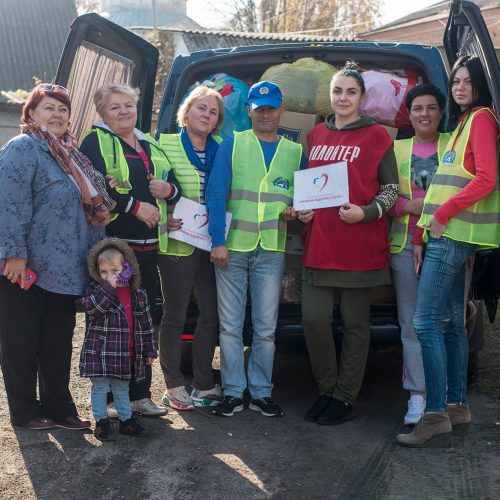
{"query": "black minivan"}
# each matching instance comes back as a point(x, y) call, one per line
point(98, 51)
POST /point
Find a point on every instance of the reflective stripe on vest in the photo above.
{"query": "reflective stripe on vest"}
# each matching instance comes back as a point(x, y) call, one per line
point(187, 177)
point(117, 166)
point(403, 149)
point(258, 197)
point(478, 224)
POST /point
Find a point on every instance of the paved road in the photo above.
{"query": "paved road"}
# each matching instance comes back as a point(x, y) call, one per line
point(194, 455)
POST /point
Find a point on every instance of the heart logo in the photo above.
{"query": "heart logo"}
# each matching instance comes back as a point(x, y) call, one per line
point(200, 220)
point(321, 181)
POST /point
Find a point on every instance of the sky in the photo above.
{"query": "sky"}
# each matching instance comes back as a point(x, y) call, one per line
point(208, 13)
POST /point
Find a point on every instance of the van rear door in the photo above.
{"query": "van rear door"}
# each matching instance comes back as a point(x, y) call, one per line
point(97, 52)
point(466, 34)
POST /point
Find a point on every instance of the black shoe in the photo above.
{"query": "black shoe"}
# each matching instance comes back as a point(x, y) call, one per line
point(336, 413)
point(319, 406)
point(266, 406)
point(133, 427)
point(228, 407)
point(104, 430)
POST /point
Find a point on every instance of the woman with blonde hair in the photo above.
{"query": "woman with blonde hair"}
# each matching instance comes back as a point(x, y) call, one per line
point(143, 184)
point(185, 269)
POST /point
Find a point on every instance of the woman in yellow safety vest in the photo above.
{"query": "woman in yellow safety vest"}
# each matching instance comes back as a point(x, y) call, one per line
point(143, 184)
point(185, 269)
point(417, 159)
point(461, 213)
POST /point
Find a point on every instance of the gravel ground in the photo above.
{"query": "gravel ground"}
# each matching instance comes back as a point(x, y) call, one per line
point(194, 455)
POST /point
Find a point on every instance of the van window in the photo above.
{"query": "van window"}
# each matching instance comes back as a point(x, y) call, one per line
point(93, 67)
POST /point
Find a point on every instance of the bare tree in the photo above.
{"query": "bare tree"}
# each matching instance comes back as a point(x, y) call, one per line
point(325, 17)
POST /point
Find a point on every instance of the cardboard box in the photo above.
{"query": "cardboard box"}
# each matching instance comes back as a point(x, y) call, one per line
point(296, 126)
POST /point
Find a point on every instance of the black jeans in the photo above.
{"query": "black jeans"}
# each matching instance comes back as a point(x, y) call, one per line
point(181, 276)
point(36, 332)
point(149, 279)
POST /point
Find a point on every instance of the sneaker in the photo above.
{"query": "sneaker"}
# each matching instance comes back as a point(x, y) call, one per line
point(178, 398)
point(133, 427)
point(416, 407)
point(228, 407)
point(337, 412)
point(73, 423)
point(210, 397)
point(147, 408)
point(104, 430)
point(111, 410)
point(266, 406)
point(319, 406)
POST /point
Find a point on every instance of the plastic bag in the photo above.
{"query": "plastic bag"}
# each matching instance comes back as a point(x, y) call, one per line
point(234, 94)
point(305, 85)
point(385, 96)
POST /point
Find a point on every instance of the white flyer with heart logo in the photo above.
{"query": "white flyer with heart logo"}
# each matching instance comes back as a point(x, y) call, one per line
point(321, 187)
point(194, 228)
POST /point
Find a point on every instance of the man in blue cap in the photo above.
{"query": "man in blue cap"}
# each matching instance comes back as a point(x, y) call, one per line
point(252, 178)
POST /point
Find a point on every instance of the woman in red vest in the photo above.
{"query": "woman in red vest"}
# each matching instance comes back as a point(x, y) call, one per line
point(346, 249)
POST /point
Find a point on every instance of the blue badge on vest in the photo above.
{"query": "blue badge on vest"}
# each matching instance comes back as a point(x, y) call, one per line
point(281, 183)
point(449, 157)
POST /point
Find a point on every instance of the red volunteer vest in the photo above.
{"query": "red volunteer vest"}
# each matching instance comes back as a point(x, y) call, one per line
point(330, 243)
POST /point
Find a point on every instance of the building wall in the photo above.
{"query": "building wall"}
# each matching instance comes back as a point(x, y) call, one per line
point(174, 5)
point(431, 32)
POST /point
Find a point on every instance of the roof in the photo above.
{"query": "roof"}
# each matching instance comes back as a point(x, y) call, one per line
point(31, 40)
point(439, 8)
point(196, 40)
point(142, 17)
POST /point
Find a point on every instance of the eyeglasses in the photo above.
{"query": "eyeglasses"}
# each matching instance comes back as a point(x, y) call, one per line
point(51, 87)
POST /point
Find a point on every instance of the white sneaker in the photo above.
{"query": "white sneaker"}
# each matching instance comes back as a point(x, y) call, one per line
point(416, 407)
point(111, 409)
point(210, 397)
point(178, 398)
point(147, 408)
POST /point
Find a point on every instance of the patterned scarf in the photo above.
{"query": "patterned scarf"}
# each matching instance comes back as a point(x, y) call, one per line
point(76, 164)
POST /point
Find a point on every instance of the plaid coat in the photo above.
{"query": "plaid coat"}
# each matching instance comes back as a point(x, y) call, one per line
point(105, 351)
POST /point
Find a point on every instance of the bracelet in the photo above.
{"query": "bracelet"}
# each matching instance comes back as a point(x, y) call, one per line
point(171, 192)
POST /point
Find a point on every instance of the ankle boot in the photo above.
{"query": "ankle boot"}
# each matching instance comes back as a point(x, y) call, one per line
point(460, 418)
point(433, 429)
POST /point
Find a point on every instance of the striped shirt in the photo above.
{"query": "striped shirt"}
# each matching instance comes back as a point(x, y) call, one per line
point(201, 173)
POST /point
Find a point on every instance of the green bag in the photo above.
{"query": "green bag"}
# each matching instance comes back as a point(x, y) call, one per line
point(305, 85)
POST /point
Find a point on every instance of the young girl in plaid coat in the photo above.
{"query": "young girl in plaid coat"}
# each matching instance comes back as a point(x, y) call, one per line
point(119, 339)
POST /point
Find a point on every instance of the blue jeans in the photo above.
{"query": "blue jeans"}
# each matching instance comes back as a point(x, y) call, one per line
point(439, 322)
point(98, 396)
point(262, 271)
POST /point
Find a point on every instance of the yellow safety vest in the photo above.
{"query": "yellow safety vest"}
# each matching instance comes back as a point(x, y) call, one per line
point(398, 233)
point(478, 224)
point(258, 196)
point(187, 177)
point(117, 166)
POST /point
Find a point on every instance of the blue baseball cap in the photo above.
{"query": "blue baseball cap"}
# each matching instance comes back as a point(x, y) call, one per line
point(264, 94)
